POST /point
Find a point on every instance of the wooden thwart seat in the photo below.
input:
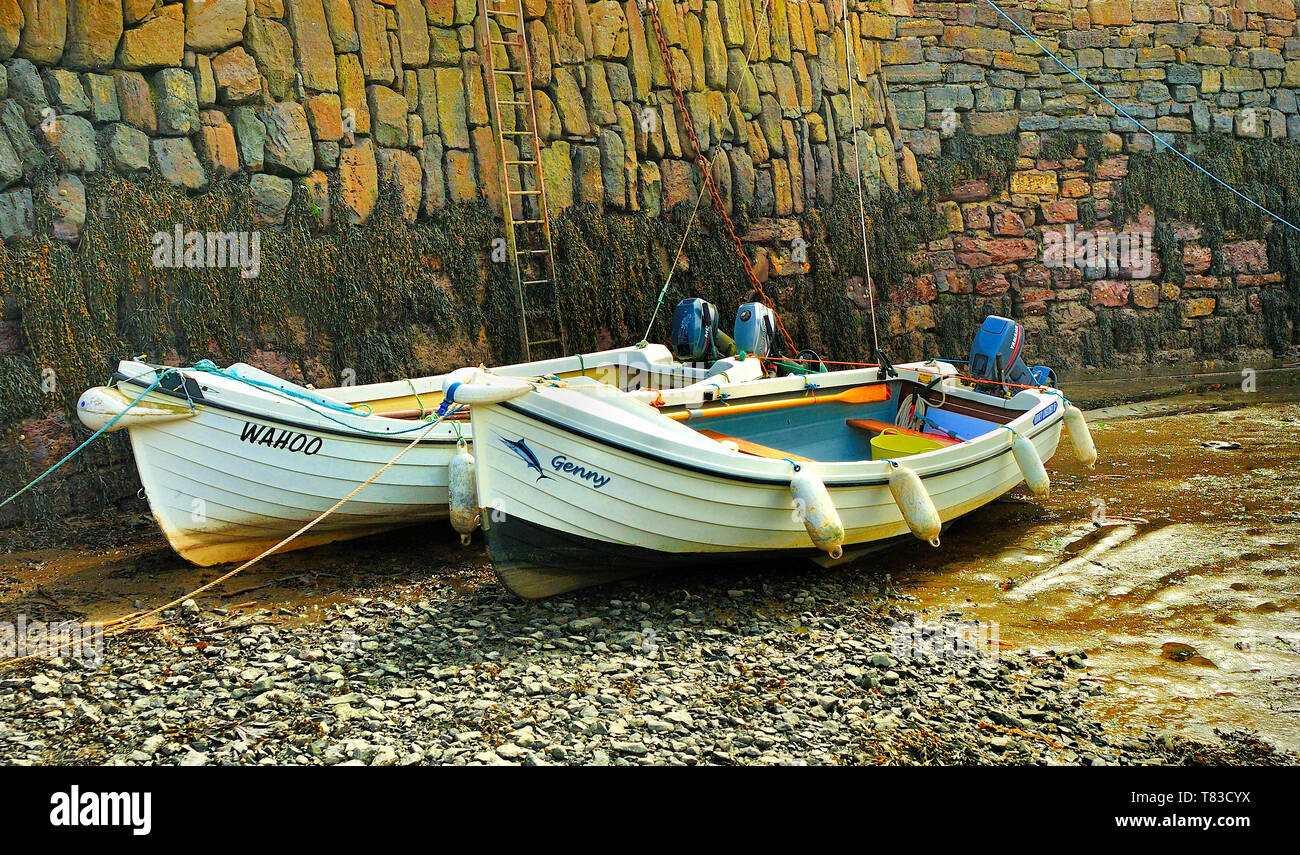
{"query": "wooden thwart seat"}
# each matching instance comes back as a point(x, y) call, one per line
point(753, 448)
point(875, 426)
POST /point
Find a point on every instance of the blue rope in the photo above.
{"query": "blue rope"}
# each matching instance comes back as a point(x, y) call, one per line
point(1126, 115)
point(207, 366)
point(323, 403)
point(94, 436)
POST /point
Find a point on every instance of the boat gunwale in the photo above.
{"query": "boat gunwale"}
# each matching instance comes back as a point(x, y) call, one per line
point(119, 376)
point(831, 481)
point(358, 433)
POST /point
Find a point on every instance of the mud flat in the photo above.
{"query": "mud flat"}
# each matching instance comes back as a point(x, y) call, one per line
point(1175, 566)
point(404, 650)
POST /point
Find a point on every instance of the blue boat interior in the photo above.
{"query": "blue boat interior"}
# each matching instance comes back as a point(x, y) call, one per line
point(836, 431)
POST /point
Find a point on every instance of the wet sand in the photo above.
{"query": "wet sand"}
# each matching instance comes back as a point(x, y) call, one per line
point(1174, 566)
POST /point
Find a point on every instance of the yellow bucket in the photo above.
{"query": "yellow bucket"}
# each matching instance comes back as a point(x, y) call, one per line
point(889, 444)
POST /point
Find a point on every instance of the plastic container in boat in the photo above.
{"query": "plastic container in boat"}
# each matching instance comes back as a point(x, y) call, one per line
point(889, 444)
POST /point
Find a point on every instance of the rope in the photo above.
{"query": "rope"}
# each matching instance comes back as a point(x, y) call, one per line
point(699, 197)
point(208, 367)
point(419, 402)
point(94, 436)
point(303, 400)
point(125, 624)
point(857, 157)
point(706, 167)
point(1141, 126)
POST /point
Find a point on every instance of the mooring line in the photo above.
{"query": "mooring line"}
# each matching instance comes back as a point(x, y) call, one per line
point(849, 42)
point(705, 165)
point(122, 625)
point(94, 436)
point(1143, 127)
point(699, 196)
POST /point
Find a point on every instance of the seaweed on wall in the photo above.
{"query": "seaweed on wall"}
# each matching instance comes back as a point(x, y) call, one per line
point(341, 297)
point(1267, 171)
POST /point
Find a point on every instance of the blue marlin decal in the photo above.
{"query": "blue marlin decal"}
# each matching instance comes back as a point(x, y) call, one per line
point(525, 454)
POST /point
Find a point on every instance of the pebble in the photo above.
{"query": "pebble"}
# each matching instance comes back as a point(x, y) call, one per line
point(765, 670)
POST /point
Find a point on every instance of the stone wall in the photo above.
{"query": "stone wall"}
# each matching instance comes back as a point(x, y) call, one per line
point(209, 88)
point(335, 96)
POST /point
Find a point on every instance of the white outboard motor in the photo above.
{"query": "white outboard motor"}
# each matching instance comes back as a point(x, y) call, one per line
point(755, 330)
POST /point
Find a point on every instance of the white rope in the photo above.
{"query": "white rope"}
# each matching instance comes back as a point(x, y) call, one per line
point(857, 155)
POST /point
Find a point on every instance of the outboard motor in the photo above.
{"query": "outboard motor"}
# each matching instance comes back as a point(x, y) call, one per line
point(755, 331)
point(996, 355)
point(695, 335)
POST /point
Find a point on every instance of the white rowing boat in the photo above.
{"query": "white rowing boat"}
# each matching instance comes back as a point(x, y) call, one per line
point(234, 460)
point(580, 483)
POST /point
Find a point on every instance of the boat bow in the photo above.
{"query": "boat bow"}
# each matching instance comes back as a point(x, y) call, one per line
point(99, 406)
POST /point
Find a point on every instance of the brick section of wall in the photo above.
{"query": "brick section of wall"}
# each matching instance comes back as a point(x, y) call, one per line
point(1229, 67)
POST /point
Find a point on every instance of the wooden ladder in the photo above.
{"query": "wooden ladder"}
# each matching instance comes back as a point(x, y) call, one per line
point(523, 200)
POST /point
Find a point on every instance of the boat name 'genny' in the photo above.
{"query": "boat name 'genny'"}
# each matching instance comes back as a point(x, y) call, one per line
point(287, 440)
point(560, 463)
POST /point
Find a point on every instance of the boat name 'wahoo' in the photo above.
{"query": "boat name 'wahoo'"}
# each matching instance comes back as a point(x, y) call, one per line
point(285, 440)
point(560, 463)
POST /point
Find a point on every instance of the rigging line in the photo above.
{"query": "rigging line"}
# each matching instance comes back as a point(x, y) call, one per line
point(94, 436)
point(1141, 126)
point(699, 196)
point(704, 165)
point(857, 157)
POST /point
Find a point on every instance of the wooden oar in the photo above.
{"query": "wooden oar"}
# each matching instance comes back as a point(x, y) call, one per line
point(419, 414)
point(872, 394)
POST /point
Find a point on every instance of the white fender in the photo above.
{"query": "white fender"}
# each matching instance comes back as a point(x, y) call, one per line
point(1080, 437)
point(1031, 466)
point(462, 492)
point(475, 386)
point(915, 504)
point(101, 404)
point(812, 503)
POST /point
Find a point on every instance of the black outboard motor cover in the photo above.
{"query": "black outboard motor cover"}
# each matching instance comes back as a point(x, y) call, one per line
point(694, 330)
point(755, 331)
point(997, 354)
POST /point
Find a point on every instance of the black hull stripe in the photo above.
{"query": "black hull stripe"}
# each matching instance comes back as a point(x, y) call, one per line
point(534, 560)
point(753, 479)
point(263, 417)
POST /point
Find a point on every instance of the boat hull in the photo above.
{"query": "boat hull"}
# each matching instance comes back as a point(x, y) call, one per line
point(552, 525)
point(535, 561)
point(219, 496)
